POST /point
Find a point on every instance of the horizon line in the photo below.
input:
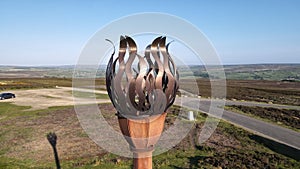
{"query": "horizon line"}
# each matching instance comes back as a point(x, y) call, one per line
point(229, 64)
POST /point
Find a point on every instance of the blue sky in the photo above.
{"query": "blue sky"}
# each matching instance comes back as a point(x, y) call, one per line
point(243, 32)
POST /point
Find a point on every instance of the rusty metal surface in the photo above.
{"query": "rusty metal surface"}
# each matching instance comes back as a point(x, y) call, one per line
point(150, 89)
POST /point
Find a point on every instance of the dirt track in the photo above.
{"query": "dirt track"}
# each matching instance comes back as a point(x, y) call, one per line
point(44, 98)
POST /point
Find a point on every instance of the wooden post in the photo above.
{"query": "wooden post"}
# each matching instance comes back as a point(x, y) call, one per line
point(142, 135)
point(142, 160)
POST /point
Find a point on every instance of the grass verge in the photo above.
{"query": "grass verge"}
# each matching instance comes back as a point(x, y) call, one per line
point(23, 144)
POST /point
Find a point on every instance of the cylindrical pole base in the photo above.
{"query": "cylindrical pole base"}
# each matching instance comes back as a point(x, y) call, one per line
point(142, 160)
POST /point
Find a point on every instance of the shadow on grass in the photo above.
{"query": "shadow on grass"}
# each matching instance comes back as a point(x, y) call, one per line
point(278, 147)
point(194, 161)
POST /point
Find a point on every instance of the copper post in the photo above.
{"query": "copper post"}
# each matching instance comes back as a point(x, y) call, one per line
point(142, 101)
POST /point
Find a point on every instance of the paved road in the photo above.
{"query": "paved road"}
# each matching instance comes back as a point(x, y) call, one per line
point(248, 103)
point(271, 131)
point(274, 132)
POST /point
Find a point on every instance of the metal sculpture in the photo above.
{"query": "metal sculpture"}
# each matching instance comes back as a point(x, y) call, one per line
point(141, 97)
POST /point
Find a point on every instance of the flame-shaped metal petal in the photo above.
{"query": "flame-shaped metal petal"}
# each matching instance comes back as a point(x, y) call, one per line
point(153, 87)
